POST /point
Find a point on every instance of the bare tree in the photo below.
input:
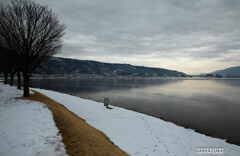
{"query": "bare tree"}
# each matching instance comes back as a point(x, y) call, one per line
point(9, 66)
point(3, 64)
point(33, 32)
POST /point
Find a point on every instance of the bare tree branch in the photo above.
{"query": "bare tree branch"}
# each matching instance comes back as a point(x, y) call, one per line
point(32, 31)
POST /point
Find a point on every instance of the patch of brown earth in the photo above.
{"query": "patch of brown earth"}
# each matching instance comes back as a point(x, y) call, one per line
point(79, 137)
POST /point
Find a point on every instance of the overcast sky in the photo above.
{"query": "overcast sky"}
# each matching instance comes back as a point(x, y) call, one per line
point(192, 36)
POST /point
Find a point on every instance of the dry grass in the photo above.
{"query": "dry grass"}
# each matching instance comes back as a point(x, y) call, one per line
point(79, 137)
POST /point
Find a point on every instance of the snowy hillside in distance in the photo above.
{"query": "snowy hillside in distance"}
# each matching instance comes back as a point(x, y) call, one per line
point(233, 71)
point(58, 67)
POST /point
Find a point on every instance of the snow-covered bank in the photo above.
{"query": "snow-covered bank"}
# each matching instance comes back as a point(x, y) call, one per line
point(26, 128)
point(139, 134)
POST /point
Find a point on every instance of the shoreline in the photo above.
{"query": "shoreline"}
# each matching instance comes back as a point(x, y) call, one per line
point(210, 134)
point(133, 132)
point(141, 78)
point(137, 78)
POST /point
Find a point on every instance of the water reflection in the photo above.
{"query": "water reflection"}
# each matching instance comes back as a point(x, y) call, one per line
point(211, 106)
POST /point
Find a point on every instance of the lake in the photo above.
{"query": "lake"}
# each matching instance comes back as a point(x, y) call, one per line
point(210, 106)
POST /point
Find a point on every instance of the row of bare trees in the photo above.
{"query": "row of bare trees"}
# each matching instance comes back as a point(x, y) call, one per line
point(8, 66)
point(29, 35)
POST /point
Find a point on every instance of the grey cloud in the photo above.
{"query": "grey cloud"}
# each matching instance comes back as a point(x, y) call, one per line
point(198, 30)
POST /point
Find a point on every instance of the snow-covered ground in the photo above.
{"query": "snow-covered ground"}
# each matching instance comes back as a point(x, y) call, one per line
point(140, 134)
point(26, 128)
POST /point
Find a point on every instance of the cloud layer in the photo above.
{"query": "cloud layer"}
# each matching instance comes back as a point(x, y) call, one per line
point(190, 36)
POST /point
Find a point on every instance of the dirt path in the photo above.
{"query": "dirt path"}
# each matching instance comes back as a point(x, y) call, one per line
point(79, 137)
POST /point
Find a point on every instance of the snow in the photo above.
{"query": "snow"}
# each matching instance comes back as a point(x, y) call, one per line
point(140, 134)
point(26, 127)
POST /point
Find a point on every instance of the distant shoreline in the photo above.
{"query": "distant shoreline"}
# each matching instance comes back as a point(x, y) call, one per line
point(139, 78)
point(136, 78)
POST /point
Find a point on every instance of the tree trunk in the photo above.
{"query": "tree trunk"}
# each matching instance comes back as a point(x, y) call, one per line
point(25, 85)
point(19, 84)
point(5, 76)
point(11, 78)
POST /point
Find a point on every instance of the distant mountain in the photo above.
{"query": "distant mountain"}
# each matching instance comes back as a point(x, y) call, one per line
point(233, 71)
point(57, 66)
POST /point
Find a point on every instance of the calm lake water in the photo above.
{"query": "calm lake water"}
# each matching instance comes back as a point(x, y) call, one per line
point(211, 106)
